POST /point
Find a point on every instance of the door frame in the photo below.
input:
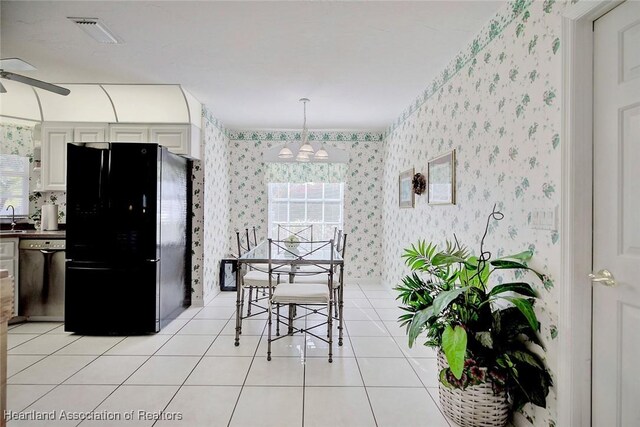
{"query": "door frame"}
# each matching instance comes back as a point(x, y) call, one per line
point(573, 379)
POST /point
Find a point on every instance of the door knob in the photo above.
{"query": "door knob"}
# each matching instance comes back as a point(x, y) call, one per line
point(603, 276)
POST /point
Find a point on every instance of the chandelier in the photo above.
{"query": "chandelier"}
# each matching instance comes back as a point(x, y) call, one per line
point(306, 152)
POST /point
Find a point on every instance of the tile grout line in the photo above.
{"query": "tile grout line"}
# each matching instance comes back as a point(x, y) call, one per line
point(194, 366)
point(118, 386)
point(406, 357)
point(233, 411)
point(366, 391)
point(69, 377)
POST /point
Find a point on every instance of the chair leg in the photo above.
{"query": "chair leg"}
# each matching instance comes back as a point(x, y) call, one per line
point(238, 311)
point(330, 330)
point(292, 313)
point(269, 333)
point(340, 313)
point(249, 305)
point(278, 320)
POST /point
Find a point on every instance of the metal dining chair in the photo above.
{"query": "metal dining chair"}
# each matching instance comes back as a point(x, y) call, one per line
point(307, 296)
point(255, 277)
point(312, 273)
point(304, 232)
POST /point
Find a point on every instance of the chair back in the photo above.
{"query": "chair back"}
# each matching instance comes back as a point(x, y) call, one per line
point(245, 247)
point(255, 237)
point(304, 232)
point(280, 252)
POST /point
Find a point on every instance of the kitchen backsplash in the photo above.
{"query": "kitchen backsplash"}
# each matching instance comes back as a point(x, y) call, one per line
point(363, 190)
point(18, 140)
point(497, 105)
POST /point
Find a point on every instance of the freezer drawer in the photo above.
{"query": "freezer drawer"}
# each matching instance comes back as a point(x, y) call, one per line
point(115, 300)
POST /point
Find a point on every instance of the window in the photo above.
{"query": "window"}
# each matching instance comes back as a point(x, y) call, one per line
point(320, 204)
point(14, 185)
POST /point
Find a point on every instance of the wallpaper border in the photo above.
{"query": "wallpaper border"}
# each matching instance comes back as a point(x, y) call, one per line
point(296, 135)
point(492, 29)
point(217, 123)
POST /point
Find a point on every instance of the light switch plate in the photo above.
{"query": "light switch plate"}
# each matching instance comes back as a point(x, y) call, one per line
point(544, 219)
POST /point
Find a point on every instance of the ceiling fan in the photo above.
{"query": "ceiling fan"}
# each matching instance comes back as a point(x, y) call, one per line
point(16, 64)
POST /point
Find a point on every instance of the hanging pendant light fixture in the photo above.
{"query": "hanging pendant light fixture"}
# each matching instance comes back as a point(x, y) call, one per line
point(285, 153)
point(305, 147)
point(321, 154)
point(306, 151)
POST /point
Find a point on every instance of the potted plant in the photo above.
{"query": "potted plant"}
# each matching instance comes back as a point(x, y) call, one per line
point(485, 332)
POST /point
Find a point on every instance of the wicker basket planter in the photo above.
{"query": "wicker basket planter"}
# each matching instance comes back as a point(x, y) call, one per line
point(476, 406)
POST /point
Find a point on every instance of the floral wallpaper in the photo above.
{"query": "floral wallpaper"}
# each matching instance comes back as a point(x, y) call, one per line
point(216, 201)
point(496, 104)
point(18, 140)
point(363, 198)
point(210, 214)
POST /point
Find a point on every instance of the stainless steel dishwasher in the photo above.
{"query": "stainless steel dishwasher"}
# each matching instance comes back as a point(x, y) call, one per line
point(41, 287)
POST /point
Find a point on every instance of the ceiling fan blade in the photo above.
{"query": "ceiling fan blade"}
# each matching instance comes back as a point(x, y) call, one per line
point(2, 89)
point(33, 82)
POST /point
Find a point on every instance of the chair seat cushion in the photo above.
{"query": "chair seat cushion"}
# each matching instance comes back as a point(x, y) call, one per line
point(310, 268)
point(316, 278)
point(258, 279)
point(301, 293)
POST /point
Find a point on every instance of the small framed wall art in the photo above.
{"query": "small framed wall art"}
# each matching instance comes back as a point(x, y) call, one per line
point(405, 189)
point(441, 179)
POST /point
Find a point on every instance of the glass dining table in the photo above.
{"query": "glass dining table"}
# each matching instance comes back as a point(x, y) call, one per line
point(288, 259)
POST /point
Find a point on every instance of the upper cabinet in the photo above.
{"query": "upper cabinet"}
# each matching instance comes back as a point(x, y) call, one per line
point(182, 139)
point(54, 157)
point(179, 139)
point(128, 133)
point(88, 133)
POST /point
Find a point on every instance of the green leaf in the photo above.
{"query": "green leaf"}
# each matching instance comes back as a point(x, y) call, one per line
point(517, 287)
point(446, 259)
point(445, 298)
point(525, 308)
point(527, 358)
point(485, 339)
point(522, 256)
point(419, 319)
point(454, 345)
point(501, 264)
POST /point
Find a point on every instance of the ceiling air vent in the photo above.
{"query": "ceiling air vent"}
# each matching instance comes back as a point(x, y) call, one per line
point(96, 29)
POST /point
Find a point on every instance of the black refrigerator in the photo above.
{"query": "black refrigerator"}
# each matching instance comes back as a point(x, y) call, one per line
point(128, 246)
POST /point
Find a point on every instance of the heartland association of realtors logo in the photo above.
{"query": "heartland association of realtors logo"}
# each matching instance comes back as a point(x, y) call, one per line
point(62, 415)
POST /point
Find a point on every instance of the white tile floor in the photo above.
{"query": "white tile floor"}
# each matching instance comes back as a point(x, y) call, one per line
point(192, 368)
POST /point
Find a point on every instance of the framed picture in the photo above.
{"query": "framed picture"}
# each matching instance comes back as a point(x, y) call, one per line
point(405, 189)
point(441, 179)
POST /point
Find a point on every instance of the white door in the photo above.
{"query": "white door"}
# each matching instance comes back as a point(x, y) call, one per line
point(616, 238)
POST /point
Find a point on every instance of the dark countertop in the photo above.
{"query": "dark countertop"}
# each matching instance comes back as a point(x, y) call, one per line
point(34, 234)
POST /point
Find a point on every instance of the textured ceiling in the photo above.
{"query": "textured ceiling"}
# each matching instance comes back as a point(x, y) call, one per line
point(360, 63)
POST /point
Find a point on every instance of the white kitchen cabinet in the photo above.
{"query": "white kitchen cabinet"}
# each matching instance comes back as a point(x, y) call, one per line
point(9, 261)
point(128, 133)
point(180, 139)
point(90, 133)
point(54, 157)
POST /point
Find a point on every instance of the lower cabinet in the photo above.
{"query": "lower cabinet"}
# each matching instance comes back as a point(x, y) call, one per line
point(9, 261)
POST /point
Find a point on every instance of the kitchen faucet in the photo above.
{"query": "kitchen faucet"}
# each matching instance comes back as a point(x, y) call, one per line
point(13, 217)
